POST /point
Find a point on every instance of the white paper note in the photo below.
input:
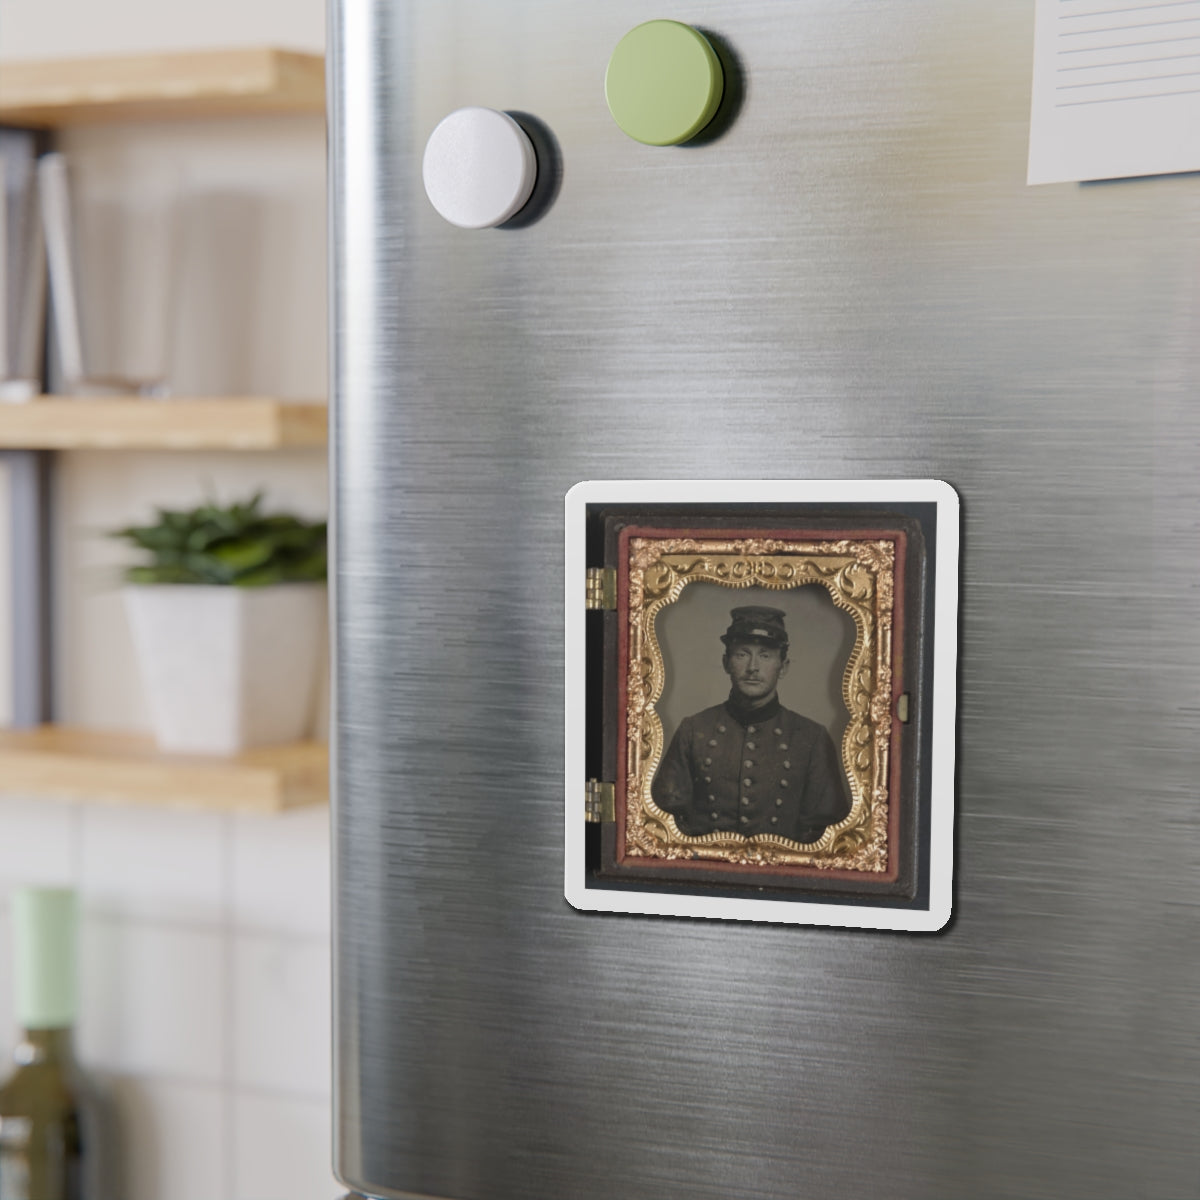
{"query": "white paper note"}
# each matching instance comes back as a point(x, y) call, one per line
point(1116, 89)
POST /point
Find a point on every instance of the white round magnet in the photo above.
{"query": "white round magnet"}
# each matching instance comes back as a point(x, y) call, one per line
point(479, 168)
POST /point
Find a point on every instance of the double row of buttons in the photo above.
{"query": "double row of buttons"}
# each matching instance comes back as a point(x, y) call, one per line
point(747, 781)
point(663, 86)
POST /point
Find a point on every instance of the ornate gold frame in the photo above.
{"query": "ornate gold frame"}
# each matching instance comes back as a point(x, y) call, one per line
point(860, 577)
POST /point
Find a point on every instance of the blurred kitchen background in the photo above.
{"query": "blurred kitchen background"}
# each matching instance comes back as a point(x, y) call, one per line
point(205, 937)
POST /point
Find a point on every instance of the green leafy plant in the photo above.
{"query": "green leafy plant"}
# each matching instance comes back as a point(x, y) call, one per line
point(237, 546)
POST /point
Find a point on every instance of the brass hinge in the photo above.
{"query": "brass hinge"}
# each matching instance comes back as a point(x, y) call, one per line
point(601, 588)
point(601, 801)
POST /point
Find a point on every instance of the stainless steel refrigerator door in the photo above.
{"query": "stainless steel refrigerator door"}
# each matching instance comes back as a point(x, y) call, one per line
point(853, 280)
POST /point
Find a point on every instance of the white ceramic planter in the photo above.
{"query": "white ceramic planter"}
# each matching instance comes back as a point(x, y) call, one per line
point(226, 668)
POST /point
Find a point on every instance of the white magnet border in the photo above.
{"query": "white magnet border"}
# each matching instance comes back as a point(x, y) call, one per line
point(945, 673)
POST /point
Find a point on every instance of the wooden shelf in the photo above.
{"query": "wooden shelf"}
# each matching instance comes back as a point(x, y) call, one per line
point(228, 423)
point(215, 83)
point(81, 764)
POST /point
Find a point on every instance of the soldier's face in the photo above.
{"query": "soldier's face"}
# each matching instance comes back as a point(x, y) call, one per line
point(755, 669)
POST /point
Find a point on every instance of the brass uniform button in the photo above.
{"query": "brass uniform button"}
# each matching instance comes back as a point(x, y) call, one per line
point(783, 783)
point(774, 820)
point(712, 741)
point(748, 763)
point(745, 820)
point(779, 733)
point(778, 802)
point(747, 782)
point(749, 745)
point(720, 728)
point(713, 815)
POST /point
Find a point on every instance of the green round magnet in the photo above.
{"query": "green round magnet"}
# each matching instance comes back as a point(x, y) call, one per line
point(664, 83)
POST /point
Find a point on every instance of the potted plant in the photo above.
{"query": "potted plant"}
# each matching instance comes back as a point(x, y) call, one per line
point(228, 621)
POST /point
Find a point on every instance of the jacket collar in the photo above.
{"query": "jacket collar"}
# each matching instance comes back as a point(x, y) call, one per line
point(737, 708)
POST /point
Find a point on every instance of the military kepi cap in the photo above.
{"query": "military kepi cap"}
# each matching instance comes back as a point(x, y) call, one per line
point(756, 624)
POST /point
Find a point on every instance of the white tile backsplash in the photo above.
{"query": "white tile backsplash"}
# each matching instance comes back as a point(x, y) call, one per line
point(281, 1014)
point(38, 842)
point(171, 1140)
point(155, 864)
point(282, 1150)
point(154, 1000)
point(204, 988)
point(281, 872)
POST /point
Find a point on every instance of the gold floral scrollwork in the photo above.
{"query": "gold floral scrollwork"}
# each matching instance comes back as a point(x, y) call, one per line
point(860, 578)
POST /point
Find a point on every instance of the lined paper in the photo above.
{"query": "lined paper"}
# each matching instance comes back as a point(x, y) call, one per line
point(1116, 89)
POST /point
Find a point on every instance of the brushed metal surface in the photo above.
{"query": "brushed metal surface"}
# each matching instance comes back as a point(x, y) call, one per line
point(853, 281)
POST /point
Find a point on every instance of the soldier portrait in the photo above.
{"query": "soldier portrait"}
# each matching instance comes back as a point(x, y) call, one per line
point(754, 713)
point(750, 764)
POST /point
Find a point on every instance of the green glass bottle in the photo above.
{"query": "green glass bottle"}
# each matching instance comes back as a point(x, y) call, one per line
point(41, 1103)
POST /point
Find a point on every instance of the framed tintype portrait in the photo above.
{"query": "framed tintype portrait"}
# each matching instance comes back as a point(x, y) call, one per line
point(760, 698)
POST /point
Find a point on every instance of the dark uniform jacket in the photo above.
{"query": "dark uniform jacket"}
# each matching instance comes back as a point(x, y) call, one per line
point(768, 770)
